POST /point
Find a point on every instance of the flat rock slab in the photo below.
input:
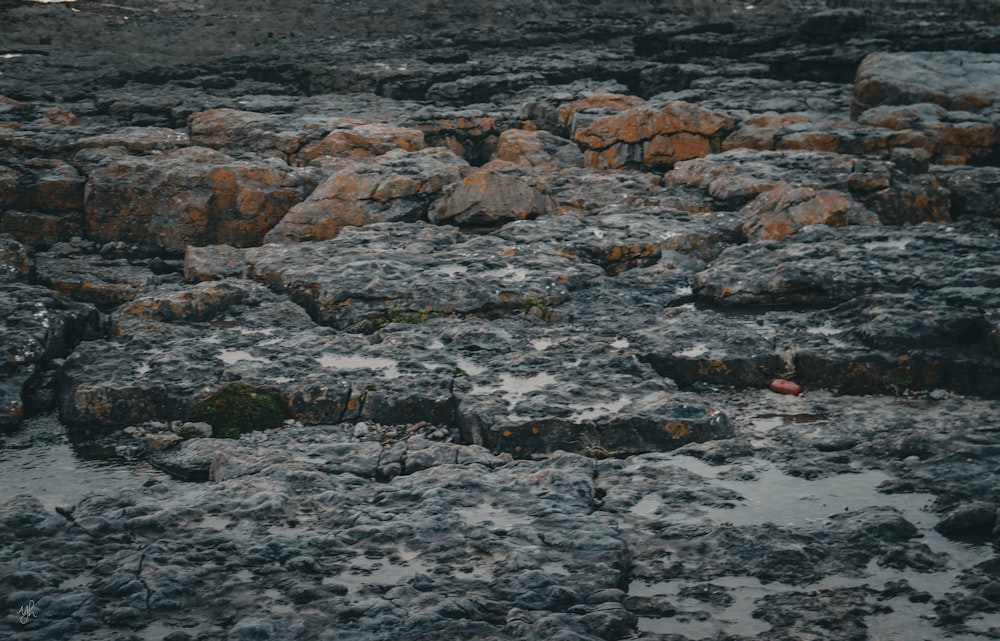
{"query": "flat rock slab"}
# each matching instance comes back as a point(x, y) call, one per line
point(509, 385)
point(386, 272)
point(958, 80)
point(465, 541)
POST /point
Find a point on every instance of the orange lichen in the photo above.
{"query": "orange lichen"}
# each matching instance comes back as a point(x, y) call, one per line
point(676, 429)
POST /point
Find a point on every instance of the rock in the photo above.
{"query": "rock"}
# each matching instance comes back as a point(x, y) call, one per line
point(468, 133)
point(191, 196)
point(17, 261)
point(866, 184)
point(135, 140)
point(833, 24)
point(103, 282)
point(397, 187)
point(298, 140)
point(971, 523)
point(537, 149)
point(389, 272)
point(975, 191)
point(364, 140)
point(214, 262)
point(960, 81)
point(950, 137)
point(782, 211)
point(39, 327)
point(654, 136)
point(781, 386)
point(42, 228)
point(161, 442)
point(41, 184)
point(488, 198)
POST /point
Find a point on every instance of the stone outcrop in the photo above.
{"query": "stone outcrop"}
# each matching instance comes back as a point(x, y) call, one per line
point(654, 136)
point(957, 81)
point(502, 320)
point(396, 187)
point(491, 197)
point(192, 196)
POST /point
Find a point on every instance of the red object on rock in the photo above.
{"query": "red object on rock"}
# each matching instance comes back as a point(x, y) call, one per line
point(782, 386)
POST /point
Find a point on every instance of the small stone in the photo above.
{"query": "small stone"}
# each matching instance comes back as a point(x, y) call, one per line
point(162, 442)
point(133, 431)
point(781, 386)
point(195, 430)
point(938, 394)
point(361, 429)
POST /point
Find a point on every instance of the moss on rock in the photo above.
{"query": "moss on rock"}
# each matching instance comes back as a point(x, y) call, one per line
point(238, 408)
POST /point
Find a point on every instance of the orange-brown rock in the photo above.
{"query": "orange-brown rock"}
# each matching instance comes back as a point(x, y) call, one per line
point(655, 135)
point(953, 138)
point(397, 186)
point(783, 210)
point(363, 141)
point(191, 196)
point(599, 102)
point(41, 184)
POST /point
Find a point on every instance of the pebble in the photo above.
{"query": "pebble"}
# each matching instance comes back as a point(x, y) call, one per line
point(782, 386)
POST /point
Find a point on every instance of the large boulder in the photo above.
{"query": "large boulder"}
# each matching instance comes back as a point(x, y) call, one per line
point(490, 197)
point(956, 80)
point(654, 135)
point(396, 187)
point(191, 196)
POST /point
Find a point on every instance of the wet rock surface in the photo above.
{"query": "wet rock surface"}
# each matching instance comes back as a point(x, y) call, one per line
point(567, 324)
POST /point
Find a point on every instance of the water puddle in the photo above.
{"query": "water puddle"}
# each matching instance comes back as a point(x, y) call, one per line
point(763, 423)
point(493, 516)
point(375, 569)
point(233, 356)
point(899, 243)
point(590, 411)
point(766, 495)
point(56, 474)
point(697, 619)
point(507, 274)
point(541, 344)
point(387, 367)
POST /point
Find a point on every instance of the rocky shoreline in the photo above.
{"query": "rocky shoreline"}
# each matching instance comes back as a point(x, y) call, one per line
point(506, 297)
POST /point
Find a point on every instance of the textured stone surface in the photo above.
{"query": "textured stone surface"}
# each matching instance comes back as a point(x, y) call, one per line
point(539, 403)
point(396, 187)
point(190, 196)
point(962, 81)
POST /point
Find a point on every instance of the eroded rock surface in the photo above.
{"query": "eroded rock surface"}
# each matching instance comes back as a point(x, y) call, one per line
point(518, 287)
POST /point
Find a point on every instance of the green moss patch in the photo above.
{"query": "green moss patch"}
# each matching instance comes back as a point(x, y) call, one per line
point(238, 408)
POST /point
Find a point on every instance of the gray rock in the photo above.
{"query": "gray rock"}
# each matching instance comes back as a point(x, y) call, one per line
point(963, 81)
point(488, 198)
